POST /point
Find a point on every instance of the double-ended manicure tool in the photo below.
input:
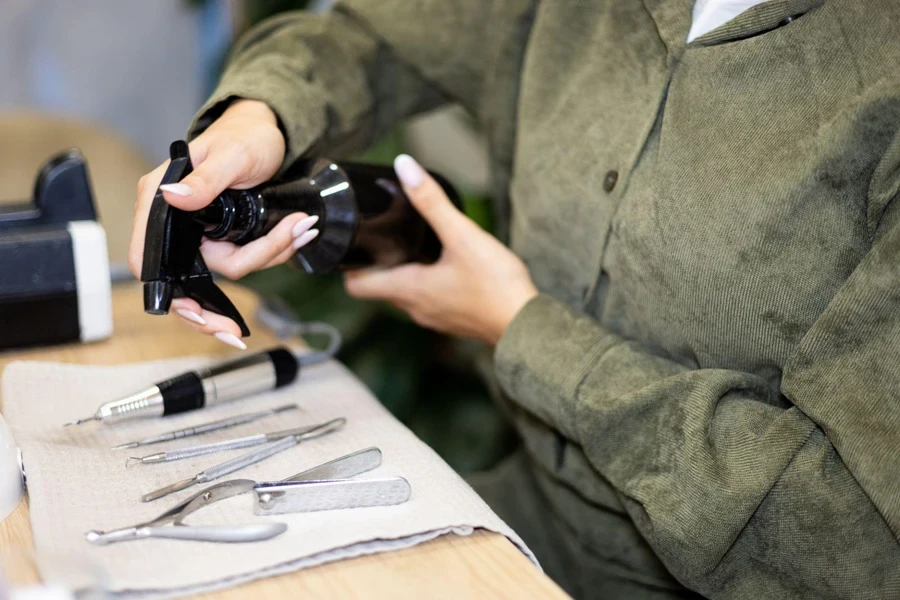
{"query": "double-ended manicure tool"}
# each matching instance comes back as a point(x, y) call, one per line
point(207, 427)
point(232, 444)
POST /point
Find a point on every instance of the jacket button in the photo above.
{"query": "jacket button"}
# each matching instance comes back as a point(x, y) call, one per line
point(609, 181)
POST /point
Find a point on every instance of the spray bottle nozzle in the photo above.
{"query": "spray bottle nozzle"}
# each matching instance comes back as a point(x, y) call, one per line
point(157, 297)
point(173, 266)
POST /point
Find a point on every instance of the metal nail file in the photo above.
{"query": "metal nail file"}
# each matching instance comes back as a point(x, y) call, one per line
point(280, 498)
point(329, 487)
point(251, 458)
point(208, 427)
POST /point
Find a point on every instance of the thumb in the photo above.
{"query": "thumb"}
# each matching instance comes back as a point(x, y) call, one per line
point(429, 198)
point(215, 169)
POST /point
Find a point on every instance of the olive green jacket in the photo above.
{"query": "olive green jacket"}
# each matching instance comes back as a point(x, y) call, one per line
point(715, 356)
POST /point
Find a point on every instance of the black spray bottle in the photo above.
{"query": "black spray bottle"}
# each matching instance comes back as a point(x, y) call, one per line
point(365, 219)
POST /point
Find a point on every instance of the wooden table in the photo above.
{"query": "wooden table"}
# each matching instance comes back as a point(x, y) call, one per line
point(484, 565)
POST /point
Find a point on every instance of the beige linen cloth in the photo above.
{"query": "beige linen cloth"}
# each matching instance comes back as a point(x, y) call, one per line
point(76, 482)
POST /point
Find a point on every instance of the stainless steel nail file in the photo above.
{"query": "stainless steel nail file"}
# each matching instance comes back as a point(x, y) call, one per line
point(329, 487)
point(207, 427)
point(232, 444)
point(251, 458)
point(280, 498)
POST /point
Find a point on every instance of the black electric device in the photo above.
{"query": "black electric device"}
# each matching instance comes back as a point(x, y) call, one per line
point(54, 268)
point(365, 219)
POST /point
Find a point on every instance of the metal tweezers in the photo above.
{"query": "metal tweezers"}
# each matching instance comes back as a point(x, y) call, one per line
point(304, 493)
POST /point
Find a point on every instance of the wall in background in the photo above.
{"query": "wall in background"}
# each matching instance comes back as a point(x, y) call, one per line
point(138, 67)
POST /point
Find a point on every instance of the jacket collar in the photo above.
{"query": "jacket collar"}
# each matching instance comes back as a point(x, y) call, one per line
point(757, 19)
point(673, 21)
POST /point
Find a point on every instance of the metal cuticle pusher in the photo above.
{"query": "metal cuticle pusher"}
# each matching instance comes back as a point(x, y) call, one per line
point(207, 427)
point(223, 446)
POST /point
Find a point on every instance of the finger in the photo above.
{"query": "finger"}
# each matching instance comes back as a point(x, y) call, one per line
point(293, 232)
point(281, 258)
point(208, 322)
point(218, 164)
point(189, 310)
point(429, 198)
point(403, 307)
point(146, 190)
point(396, 285)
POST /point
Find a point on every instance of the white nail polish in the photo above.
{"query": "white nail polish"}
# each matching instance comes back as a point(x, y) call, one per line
point(409, 171)
point(305, 238)
point(231, 340)
point(191, 316)
point(304, 225)
point(179, 189)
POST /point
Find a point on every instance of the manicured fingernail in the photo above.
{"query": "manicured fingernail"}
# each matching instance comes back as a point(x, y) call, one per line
point(408, 170)
point(303, 226)
point(305, 238)
point(179, 189)
point(231, 340)
point(191, 315)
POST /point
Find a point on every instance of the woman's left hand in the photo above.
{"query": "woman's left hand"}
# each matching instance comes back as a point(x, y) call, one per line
point(476, 287)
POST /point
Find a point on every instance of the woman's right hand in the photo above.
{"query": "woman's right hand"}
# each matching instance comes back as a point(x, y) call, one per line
point(242, 148)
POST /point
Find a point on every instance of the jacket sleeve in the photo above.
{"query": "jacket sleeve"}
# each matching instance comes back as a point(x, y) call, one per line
point(337, 80)
point(739, 487)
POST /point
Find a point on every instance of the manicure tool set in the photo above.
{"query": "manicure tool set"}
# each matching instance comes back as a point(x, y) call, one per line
point(329, 486)
point(365, 219)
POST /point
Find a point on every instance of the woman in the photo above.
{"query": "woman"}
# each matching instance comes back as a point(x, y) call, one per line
point(697, 323)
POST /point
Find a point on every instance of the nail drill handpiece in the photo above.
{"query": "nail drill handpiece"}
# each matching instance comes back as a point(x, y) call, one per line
point(228, 381)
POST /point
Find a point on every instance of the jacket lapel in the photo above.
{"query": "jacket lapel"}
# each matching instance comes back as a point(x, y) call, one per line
point(673, 21)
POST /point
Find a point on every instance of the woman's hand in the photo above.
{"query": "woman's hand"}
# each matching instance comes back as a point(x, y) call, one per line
point(473, 291)
point(241, 149)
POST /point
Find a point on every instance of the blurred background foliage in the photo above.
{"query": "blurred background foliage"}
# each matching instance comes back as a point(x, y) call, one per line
point(427, 380)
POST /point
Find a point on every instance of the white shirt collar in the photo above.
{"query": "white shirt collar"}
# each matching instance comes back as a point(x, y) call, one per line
point(709, 14)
